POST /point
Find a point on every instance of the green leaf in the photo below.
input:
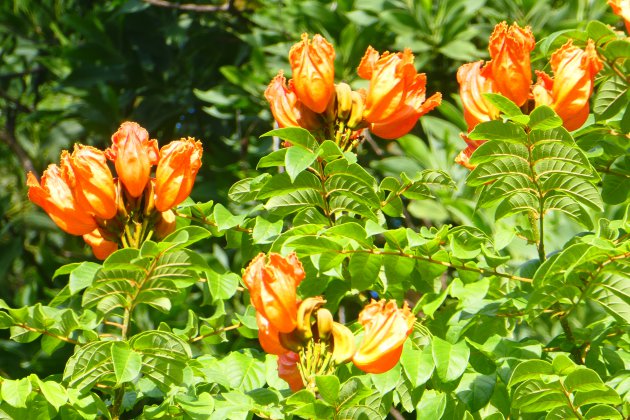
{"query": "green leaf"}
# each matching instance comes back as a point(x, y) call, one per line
point(584, 379)
point(225, 219)
point(504, 105)
point(126, 362)
point(475, 390)
point(54, 393)
point(198, 408)
point(16, 392)
point(352, 392)
point(544, 118)
point(498, 130)
point(297, 160)
point(294, 201)
point(294, 135)
point(562, 365)
point(417, 364)
point(386, 381)
point(530, 369)
point(432, 405)
point(534, 396)
point(328, 388)
point(611, 96)
point(364, 270)
point(597, 396)
point(450, 359)
point(602, 412)
point(246, 373)
point(222, 286)
point(282, 184)
point(265, 231)
point(275, 158)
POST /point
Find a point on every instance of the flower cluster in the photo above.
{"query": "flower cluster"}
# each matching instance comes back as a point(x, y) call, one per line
point(303, 333)
point(509, 74)
point(83, 197)
point(390, 107)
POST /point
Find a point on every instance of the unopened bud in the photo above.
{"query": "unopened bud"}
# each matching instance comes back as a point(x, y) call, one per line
point(324, 324)
point(356, 114)
point(149, 198)
point(344, 100)
point(165, 224)
point(121, 213)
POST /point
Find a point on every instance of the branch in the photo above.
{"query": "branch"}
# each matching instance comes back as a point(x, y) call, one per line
point(215, 332)
point(201, 8)
point(8, 137)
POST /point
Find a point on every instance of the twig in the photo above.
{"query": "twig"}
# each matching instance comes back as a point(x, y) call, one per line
point(201, 8)
point(215, 332)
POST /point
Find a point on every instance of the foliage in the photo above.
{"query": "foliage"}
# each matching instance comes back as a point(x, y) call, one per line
point(517, 271)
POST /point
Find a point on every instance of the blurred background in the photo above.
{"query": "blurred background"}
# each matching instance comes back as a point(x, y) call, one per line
point(72, 71)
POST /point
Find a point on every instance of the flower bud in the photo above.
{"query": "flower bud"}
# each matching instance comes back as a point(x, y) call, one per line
point(343, 343)
point(344, 100)
point(510, 49)
point(355, 119)
point(133, 155)
point(324, 324)
point(165, 224)
point(176, 171)
point(312, 64)
point(55, 196)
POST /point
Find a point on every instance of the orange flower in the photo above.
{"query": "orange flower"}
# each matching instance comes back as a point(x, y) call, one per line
point(510, 67)
point(396, 96)
point(312, 64)
point(176, 171)
point(101, 247)
point(268, 336)
point(288, 370)
point(407, 116)
point(569, 91)
point(55, 196)
point(273, 286)
point(133, 154)
point(287, 110)
point(90, 179)
point(622, 9)
point(386, 329)
point(475, 80)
